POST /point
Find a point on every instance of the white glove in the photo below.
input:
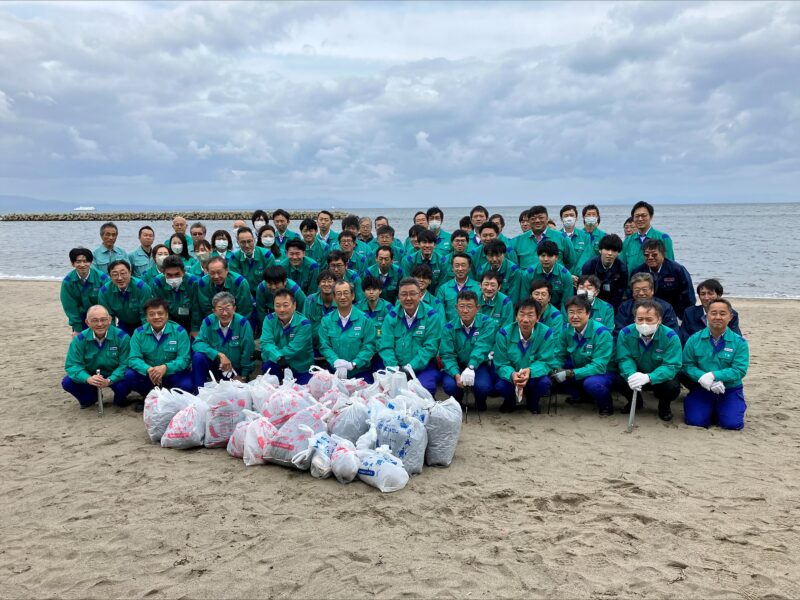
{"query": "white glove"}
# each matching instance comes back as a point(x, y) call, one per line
point(341, 373)
point(491, 355)
point(718, 387)
point(638, 380)
point(561, 376)
point(340, 363)
point(468, 377)
point(706, 380)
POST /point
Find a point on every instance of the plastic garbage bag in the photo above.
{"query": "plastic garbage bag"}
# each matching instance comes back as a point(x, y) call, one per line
point(406, 438)
point(235, 445)
point(160, 405)
point(398, 383)
point(444, 428)
point(417, 405)
point(292, 438)
point(380, 469)
point(226, 401)
point(369, 440)
point(261, 388)
point(317, 457)
point(258, 431)
point(323, 381)
point(187, 429)
point(284, 403)
point(349, 419)
point(344, 461)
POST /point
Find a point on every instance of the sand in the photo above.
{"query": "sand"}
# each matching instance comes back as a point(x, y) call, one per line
point(565, 506)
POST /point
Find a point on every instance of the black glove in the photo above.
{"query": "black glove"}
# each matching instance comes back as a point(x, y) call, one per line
point(283, 363)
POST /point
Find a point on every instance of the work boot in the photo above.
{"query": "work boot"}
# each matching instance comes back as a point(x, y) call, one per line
point(508, 406)
point(664, 410)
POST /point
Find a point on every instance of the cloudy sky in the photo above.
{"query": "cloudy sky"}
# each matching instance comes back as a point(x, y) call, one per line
point(387, 103)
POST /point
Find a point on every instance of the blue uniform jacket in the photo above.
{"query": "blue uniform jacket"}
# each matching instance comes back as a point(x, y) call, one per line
point(673, 284)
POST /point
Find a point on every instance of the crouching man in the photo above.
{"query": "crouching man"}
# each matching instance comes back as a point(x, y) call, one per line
point(717, 359)
point(159, 353)
point(649, 358)
point(225, 343)
point(286, 339)
point(97, 358)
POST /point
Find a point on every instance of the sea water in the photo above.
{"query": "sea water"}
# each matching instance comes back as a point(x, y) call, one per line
point(750, 248)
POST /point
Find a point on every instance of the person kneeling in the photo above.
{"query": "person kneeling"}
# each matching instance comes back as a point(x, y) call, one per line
point(225, 343)
point(523, 356)
point(347, 337)
point(159, 352)
point(717, 359)
point(585, 350)
point(649, 358)
point(286, 339)
point(97, 359)
point(464, 350)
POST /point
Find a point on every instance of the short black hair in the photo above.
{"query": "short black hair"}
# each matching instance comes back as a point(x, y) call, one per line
point(415, 230)
point(326, 274)
point(495, 247)
point(434, 210)
point(348, 234)
point(350, 221)
point(500, 218)
point(156, 303)
point(370, 282)
point(387, 248)
point(610, 242)
point(724, 301)
point(593, 279)
point(80, 251)
point(422, 270)
point(459, 233)
point(464, 222)
point(108, 225)
point(537, 210)
point(489, 225)
point(589, 207)
point(275, 274)
point(119, 261)
point(655, 244)
point(282, 293)
point(492, 274)
point(173, 261)
point(256, 214)
point(420, 212)
point(426, 235)
point(309, 224)
point(296, 243)
point(579, 301)
point(648, 304)
point(710, 284)
point(325, 212)
point(336, 255)
point(529, 303)
point(461, 255)
point(144, 228)
point(566, 208)
point(538, 284)
point(385, 230)
point(225, 234)
point(479, 208)
point(467, 295)
point(281, 213)
point(523, 216)
point(645, 205)
point(548, 247)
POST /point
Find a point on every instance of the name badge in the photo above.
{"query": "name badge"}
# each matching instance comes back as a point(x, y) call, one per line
point(606, 287)
point(183, 310)
point(113, 348)
point(173, 342)
point(589, 346)
point(728, 349)
point(236, 337)
point(356, 328)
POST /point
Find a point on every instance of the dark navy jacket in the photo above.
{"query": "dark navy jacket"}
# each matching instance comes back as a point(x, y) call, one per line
point(693, 321)
point(624, 316)
point(673, 284)
point(613, 281)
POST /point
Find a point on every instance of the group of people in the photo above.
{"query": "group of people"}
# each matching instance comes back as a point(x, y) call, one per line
point(554, 310)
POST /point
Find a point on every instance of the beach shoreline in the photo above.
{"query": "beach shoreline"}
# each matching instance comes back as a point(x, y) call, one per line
point(563, 505)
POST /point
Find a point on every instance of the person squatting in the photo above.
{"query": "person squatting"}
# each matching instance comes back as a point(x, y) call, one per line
point(573, 310)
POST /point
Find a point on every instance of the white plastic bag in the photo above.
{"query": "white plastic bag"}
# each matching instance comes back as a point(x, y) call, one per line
point(235, 445)
point(258, 431)
point(292, 437)
point(398, 383)
point(160, 405)
point(369, 440)
point(261, 388)
point(406, 438)
point(417, 405)
point(284, 403)
point(349, 419)
point(226, 401)
point(187, 429)
point(321, 381)
point(344, 461)
point(444, 428)
point(317, 457)
point(380, 469)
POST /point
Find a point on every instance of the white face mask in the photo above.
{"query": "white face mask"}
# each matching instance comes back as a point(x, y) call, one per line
point(259, 224)
point(174, 282)
point(434, 225)
point(221, 245)
point(590, 221)
point(588, 293)
point(268, 241)
point(201, 256)
point(646, 329)
point(177, 248)
point(568, 221)
point(160, 259)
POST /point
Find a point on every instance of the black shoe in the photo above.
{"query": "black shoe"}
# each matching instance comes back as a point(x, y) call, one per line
point(508, 407)
point(88, 405)
point(606, 412)
point(480, 406)
point(639, 405)
point(534, 409)
point(138, 406)
point(664, 411)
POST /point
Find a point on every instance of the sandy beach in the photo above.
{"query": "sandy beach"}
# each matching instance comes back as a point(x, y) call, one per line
point(564, 506)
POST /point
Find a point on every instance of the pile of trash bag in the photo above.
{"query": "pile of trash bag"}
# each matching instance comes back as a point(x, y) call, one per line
point(381, 433)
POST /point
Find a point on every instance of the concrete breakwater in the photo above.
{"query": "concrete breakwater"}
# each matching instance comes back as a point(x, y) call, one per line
point(226, 215)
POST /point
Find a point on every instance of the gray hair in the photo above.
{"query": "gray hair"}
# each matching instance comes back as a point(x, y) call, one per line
point(223, 298)
point(643, 277)
point(339, 282)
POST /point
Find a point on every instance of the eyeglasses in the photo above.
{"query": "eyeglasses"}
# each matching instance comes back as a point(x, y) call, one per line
point(408, 294)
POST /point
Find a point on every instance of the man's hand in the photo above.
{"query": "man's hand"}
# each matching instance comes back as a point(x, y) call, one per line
point(156, 374)
point(459, 383)
point(521, 377)
point(224, 363)
point(98, 381)
point(706, 380)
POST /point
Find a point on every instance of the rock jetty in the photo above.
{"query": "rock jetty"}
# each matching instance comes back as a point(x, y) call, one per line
point(224, 215)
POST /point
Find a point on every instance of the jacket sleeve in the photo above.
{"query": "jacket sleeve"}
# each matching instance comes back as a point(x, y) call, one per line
point(387, 341)
point(603, 351)
point(690, 366)
point(325, 333)
point(672, 362)
point(248, 345)
point(269, 349)
point(670, 319)
point(71, 306)
point(739, 364)
point(261, 302)
point(300, 346)
point(182, 358)
point(74, 364)
point(124, 353)
point(447, 351)
point(484, 344)
point(545, 357)
point(135, 359)
point(145, 293)
point(430, 345)
point(502, 362)
point(244, 300)
point(625, 361)
point(203, 342)
point(369, 345)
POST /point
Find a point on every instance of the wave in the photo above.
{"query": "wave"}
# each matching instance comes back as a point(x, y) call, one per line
point(29, 277)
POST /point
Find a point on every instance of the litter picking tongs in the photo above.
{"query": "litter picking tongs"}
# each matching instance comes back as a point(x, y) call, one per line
point(467, 393)
point(100, 407)
point(632, 414)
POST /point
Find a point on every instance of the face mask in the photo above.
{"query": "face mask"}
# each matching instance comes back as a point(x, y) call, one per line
point(268, 241)
point(160, 260)
point(202, 256)
point(177, 248)
point(590, 221)
point(259, 224)
point(588, 293)
point(221, 245)
point(174, 282)
point(646, 329)
point(568, 221)
point(434, 225)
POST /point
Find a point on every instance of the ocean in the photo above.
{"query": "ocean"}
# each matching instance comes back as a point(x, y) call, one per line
point(750, 248)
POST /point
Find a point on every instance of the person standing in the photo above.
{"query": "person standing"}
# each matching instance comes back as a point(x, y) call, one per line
point(108, 251)
point(80, 288)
